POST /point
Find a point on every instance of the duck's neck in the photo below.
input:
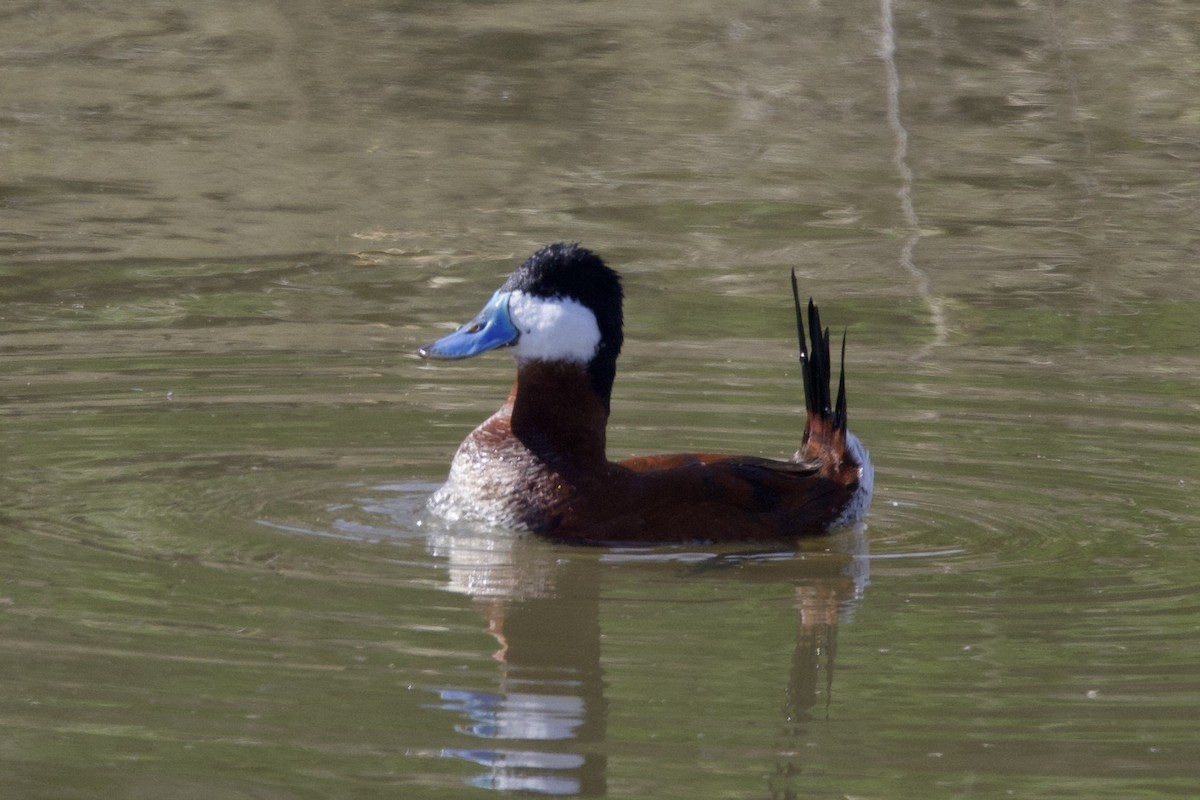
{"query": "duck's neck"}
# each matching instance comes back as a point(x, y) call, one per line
point(557, 414)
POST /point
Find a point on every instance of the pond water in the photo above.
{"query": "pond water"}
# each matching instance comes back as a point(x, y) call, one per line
point(227, 226)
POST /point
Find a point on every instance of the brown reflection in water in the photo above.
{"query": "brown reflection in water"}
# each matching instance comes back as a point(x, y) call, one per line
point(544, 727)
point(816, 640)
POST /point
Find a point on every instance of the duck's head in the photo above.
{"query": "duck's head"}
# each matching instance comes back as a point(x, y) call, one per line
point(562, 305)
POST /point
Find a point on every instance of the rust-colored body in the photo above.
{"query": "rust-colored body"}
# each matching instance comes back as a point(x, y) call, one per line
point(547, 445)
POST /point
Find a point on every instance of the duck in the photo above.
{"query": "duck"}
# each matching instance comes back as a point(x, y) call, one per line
point(539, 464)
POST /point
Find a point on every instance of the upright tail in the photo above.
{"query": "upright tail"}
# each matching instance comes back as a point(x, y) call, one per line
point(825, 428)
point(834, 451)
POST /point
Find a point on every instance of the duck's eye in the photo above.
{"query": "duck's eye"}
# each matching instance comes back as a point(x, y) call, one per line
point(475, 327)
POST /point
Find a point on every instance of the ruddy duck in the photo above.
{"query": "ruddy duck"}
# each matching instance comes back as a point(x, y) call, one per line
point(539, 464)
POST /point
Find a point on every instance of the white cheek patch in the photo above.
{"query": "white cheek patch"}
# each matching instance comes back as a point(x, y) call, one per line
point(557, 329)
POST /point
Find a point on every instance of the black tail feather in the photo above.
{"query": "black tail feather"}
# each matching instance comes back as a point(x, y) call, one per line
point(805, 372)
point(839, 415)
point(815, 365)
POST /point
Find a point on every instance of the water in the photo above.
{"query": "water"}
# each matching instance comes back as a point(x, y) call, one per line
point(226, 229)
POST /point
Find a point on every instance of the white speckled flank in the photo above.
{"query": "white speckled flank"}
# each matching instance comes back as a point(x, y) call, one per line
point(553, 329)
point(480, 487)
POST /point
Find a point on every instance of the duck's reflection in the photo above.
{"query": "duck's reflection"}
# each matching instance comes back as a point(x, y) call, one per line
point(542, 729)
point(517, 717)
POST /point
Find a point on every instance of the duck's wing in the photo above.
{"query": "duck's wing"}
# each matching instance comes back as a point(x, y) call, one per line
point(680, 460)
point(705, 497)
